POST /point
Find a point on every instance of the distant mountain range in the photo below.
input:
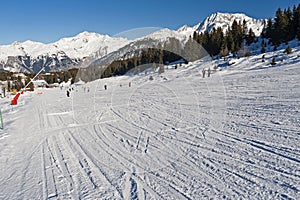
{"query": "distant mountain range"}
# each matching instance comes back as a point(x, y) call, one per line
point(66, 53)
point(86, 47)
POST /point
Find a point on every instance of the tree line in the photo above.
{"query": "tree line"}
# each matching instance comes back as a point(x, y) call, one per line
point(285, 27)
point(216, 42)
point(16, 82)
point(57, 77)
point(148, 56)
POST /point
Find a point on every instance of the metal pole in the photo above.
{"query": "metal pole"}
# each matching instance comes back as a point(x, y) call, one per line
point(34, 77)
point(2, 125)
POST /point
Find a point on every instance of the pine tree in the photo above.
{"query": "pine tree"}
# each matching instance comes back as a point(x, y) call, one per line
point(269, 29)
point(237, 35)
point(286, 26)
point(263, 33)
point(224, 49)
point(250, 37)
point(8, 85)
point(297, 21)
point(245, 28)
point(230, 41)
point(288, 50)
point(291, 34)
point(273, 62)
point(280, 28)
point(219, 40)
point(20, 83)
point(196, 36)
point(263, 49)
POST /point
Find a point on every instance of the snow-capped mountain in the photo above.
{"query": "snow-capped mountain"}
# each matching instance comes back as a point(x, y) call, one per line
point(162, 38)
point(224, 20)
point(84, 48)
point(65, 53)
point(165, 34)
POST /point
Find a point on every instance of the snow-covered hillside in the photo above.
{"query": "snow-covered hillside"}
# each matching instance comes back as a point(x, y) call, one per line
point(164, 34)
point(180, 136)
point(32, 56)
point(134, 48)
point(224, 20)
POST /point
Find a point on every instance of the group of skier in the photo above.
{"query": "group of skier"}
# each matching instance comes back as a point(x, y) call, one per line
point(87, 89)
point(105, 85)
point(129, 84)
point(208, 72)
point(69, 90)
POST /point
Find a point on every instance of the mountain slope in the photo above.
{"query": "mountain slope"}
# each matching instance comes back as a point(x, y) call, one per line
point(32, 56)
point(134, 48)
point(82, 45)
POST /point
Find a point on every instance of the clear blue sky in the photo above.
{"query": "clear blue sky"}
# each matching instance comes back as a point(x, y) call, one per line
point(48, 20)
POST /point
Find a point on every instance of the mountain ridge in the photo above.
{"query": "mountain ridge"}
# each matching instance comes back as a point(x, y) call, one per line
point(225, 20)
point(78, 51)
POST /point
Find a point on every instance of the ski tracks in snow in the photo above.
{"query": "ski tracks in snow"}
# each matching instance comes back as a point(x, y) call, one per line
point(148, 142)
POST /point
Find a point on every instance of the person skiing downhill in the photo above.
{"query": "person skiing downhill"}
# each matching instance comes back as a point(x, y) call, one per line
point(203, 73)
point(105, 87)
point(208, 72)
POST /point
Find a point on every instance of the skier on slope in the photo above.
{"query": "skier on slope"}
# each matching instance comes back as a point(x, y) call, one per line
point(208, 72)
point(203, 73)
point(105, 87)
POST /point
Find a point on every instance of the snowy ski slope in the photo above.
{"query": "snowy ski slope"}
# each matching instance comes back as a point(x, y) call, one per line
point(233, 135)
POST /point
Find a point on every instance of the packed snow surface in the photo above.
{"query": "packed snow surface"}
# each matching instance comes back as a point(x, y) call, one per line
point(180, 136)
